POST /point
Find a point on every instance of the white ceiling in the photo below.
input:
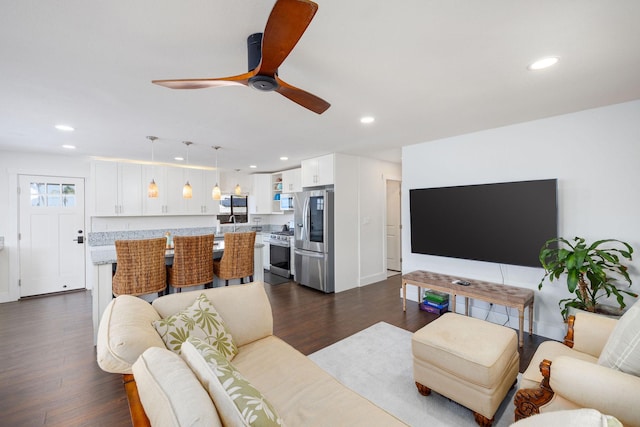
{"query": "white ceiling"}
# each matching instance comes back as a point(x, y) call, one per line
point(425, 69)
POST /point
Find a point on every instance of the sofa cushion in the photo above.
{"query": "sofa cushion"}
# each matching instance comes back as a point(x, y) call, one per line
point(199, 320)
point(303, 393)
point(622, 350)
point(170, 393)
point(549, 350)
point(238, 402)
point(245, 309)
point(125, 332)
point(569, 418)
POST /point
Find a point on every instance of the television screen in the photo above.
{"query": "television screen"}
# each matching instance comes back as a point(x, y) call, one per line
point(507, 223)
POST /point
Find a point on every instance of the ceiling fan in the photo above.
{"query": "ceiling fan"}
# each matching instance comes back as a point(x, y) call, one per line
point(266, 51)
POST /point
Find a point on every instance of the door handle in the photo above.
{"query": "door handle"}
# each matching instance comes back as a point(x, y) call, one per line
point(80, 240)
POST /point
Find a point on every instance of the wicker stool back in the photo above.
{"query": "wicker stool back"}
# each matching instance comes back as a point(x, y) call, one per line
point(237, 259)
point(192, 261)
point(140, 267)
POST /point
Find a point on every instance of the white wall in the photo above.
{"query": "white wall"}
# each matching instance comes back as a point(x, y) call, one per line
point(594, 154)
point(373, 217)
point(360, 219)
point(346, 209)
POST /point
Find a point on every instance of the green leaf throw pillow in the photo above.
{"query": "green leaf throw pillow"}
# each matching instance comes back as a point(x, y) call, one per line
point(238, 402)
point(200, 320)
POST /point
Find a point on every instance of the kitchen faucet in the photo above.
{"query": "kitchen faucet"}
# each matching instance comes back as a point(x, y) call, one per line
point(232, 218)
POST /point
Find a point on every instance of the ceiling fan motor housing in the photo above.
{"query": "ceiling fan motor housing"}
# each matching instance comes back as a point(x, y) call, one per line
point(254, 55)
point(254, 50)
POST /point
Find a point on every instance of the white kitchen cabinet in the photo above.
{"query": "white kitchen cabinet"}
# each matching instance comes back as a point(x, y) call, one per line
point(158, 205)
point(175, 204)
point(261, 202)
point(118, 188)
point(201, 202)
point(292, 181)
point(209, 206)
point(266, 251)
point(121, 189)
point(170, 182)
point(318, 171)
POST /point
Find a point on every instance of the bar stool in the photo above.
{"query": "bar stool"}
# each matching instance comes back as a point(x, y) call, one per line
point(237, 258)
point(140, 267)
point(192, 261)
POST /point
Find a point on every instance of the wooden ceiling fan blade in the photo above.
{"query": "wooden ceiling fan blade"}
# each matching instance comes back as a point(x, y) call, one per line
point(301, 97)
point(242, 79)
point(287, 22)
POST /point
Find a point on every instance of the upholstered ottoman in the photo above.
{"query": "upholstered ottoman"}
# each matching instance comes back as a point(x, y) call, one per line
point(468, 360)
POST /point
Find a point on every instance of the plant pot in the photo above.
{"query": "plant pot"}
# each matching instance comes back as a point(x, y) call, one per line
point(602, 310)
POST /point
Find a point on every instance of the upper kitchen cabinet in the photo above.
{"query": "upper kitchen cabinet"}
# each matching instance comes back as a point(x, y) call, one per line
point(156, 205)
point(292, 180)
point(261, 202)
point(118, 188)
point(201, 202)
point(209, 206)
point(170, 182)
point(318, 171)
point(121, 190)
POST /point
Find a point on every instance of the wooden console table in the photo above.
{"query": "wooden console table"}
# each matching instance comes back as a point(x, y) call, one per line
point(509, 296)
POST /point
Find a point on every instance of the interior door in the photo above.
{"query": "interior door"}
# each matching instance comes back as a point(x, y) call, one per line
point(51, 240)
point(393, 226)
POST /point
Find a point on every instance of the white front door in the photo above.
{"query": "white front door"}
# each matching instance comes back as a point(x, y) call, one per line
point(393, 226)
point(51, 240)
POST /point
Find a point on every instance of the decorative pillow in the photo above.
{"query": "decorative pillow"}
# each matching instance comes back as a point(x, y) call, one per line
point(200, 320)
point(170, 392)
point(622, 350)
point(237, 401)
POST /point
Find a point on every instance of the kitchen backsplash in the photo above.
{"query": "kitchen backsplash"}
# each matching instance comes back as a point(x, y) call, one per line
point(107, 238)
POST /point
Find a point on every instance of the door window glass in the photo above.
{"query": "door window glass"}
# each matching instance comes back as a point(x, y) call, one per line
point(52, 194)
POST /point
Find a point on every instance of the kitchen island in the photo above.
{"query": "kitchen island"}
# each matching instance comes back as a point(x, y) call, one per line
point(104, 257)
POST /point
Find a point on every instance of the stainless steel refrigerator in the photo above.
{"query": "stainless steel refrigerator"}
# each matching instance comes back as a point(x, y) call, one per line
point(313, 239)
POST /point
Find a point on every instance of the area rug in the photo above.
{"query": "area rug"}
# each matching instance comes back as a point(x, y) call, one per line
point(377, 364)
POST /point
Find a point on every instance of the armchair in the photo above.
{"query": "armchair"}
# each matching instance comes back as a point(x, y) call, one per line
point(597, 366)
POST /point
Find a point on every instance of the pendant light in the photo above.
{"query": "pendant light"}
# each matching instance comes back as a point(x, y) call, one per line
point(215, 193)
point(238, 190)
point(152, 189)
point(187, 191)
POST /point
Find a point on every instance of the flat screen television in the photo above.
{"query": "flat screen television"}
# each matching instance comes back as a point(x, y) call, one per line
point(506, 223)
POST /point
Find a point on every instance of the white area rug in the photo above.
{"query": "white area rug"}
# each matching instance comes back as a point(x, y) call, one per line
point(377, 364)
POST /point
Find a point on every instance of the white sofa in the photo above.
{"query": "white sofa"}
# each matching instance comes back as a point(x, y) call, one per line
point(300, 391)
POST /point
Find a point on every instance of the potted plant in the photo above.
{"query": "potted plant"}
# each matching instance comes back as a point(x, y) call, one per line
point(588, 270)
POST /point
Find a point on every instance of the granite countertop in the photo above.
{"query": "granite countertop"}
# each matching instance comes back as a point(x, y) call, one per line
point(101, 255)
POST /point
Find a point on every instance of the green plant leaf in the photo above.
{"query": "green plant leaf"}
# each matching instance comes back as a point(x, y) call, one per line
point(572, 280)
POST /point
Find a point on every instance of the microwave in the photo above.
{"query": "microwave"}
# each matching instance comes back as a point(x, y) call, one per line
point(286, 202)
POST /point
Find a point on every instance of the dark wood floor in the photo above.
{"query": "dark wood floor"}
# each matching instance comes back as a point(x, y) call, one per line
point(49, 376)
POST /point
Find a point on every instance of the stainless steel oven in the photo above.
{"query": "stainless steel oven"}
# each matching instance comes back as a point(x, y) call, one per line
point(280, 253)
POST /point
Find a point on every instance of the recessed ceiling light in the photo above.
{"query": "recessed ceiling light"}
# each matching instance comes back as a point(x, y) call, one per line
point(284, 158)
point(544, 63)
point(65, 128)
point(253, 166)
point(69, 146)
point(367, 119)
point(178, 158)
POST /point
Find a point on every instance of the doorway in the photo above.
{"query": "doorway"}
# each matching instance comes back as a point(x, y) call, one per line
point(394, 228)
point(51, 234)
